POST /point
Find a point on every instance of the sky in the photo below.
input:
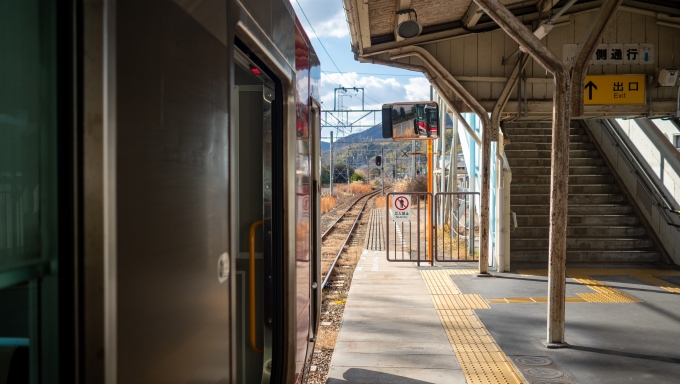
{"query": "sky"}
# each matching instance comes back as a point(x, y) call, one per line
point(381, 84)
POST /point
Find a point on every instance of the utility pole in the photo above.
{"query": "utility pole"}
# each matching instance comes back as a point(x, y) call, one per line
point(382, 161)
point(413, 159)
point(331, 168)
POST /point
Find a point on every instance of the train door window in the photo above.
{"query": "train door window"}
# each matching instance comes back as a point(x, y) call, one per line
point(29, 192)
point(252, 99)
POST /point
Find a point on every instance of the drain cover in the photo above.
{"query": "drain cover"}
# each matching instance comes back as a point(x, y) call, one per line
point(533, 360)
point(548, 382)
point(539, 370)
point(544, 373)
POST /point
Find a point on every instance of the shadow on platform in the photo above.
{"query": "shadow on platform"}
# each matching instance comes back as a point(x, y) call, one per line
point(359, 375)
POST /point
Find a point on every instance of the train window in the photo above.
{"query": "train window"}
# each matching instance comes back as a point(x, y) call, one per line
point(28, 190)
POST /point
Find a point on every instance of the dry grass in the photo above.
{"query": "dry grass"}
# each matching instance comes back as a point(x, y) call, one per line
point(359, 188)
point(342, 191)
point(449, 243)
point(380, 201)
point(328, 202)
point(401, 185)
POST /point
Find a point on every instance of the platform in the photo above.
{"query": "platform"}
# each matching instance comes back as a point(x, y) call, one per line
point(405, 324)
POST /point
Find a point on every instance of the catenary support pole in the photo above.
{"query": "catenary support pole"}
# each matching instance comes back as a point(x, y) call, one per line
point(331, 167)
point(586, 50)
point(557, 248)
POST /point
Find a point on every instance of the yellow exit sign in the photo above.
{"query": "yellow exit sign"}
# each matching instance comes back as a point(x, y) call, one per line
point(614, 89)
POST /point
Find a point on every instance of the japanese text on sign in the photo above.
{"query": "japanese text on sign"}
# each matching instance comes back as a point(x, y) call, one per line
point(614, 89)
point(401, 208)
point(612, 54)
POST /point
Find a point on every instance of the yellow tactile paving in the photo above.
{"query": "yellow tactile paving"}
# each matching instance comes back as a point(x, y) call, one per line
point(481, 359)
point(605, 293)
point(659, 282)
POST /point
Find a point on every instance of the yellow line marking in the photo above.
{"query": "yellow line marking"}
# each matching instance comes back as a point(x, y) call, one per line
point(480, 357)
point(514, 300)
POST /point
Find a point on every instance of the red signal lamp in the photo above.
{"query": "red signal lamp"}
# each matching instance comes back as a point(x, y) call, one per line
point(255, 70)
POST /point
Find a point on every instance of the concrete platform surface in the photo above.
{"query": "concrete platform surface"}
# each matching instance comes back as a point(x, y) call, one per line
point(391, 332)
point(622, 325)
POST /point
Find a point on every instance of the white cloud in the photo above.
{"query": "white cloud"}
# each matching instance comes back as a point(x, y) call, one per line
point(418, 88)
point(327, 17)
point(377, 90)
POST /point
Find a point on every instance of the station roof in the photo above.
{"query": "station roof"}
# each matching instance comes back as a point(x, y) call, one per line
point(463, 42)
point(373, 22)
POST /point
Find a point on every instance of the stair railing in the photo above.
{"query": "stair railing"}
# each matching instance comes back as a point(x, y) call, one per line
point(649, 186)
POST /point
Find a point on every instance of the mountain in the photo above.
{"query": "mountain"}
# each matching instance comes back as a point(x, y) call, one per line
point(369, 135)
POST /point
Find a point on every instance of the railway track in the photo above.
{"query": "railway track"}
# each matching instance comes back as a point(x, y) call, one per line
point(337, 236)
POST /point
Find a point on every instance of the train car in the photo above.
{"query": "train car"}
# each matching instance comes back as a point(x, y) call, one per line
point(159, 192)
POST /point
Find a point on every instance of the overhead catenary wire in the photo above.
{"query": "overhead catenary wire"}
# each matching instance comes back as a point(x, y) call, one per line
point(320, 42)
point(325, 50)
point(340, 85)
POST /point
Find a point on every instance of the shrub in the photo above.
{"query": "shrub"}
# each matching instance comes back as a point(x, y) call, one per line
point(356, 177)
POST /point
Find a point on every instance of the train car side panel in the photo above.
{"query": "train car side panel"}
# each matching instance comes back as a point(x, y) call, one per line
point(173, 321)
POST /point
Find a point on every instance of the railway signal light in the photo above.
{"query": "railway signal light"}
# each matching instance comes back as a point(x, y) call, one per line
point(378, 161)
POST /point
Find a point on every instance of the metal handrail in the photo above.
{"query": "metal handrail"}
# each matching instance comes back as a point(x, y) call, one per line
point(253, 291)
point(638, 171)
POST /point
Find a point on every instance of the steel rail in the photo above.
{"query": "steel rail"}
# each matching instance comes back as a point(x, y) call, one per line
point(346, 210)
point(349, 234)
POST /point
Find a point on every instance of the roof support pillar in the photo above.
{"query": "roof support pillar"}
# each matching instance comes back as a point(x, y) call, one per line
point(439, 72)
point(586, 51)
point(560, 163)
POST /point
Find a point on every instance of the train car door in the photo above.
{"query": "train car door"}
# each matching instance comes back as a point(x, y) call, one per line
point(253, 203)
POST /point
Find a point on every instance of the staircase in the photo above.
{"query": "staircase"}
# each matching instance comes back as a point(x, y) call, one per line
point(602, 225)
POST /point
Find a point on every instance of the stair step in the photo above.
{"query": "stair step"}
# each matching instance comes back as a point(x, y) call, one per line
point(538, 131)
point(573, 179)
point(523, 189)
point(601, 198)
point(519, 146)
point(545, 153)
point(544, 220)
point(586, 243)
point(573, 170)
point(535, 124)
point(601, 225)
point(581, 231)
point(631, 256)
point(544, 139)
point(581, 209)
point(545, 162)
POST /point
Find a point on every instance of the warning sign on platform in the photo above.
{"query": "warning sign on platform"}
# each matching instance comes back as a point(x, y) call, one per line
point(614, 89)
point(401, 208)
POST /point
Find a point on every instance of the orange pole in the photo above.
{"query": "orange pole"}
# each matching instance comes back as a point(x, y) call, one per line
point(253, 291)
point(430, 200)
